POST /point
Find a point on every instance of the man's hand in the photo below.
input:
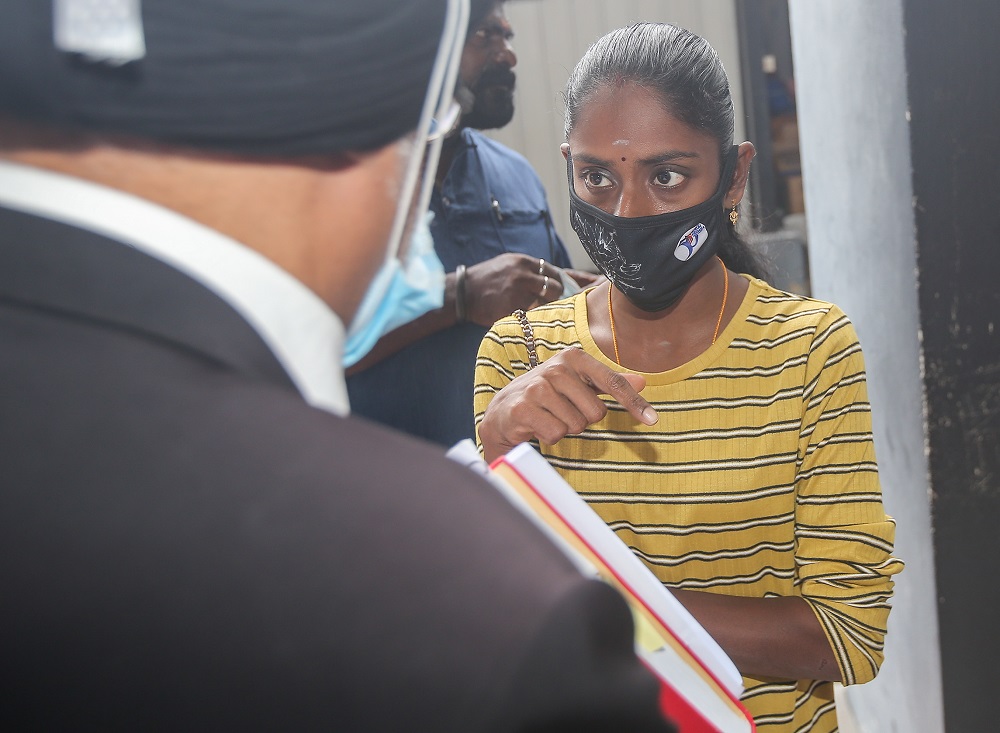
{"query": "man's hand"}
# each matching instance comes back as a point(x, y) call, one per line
point(499, 286)
point(493, 289)
point(556, 399)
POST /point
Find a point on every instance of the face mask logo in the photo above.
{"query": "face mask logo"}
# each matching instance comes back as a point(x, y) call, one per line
point(690, 242)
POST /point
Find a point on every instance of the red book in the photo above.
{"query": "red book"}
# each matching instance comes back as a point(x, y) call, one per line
point(700, 685)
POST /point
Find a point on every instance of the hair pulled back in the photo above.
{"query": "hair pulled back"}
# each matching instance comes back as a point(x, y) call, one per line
point(681, 67)
point(686, 73)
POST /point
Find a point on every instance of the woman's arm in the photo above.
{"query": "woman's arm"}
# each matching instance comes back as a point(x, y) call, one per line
point(836, 630)
point(765, 637)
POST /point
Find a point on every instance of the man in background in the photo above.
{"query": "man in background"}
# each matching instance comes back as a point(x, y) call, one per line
point(194, 198)
point(493, 232)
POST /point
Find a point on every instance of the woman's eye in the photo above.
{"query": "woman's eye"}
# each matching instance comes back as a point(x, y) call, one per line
point(596, 179)
point(669, 179)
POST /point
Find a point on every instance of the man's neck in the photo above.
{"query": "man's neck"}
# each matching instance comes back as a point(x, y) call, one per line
point(294, 215)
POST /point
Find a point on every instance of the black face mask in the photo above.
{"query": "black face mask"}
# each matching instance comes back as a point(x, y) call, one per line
point(652, 259)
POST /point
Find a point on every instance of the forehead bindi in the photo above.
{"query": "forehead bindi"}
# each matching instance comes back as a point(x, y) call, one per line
point(621, 143)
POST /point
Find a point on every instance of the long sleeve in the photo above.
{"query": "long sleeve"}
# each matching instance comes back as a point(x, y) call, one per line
point(844, 537)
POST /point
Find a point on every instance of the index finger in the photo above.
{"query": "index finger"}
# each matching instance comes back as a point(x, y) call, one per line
point(624, 387)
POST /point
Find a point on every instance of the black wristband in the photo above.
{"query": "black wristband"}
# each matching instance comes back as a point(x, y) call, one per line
point(460, 313)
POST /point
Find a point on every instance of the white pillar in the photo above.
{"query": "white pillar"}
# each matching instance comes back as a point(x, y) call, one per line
point(850, 76)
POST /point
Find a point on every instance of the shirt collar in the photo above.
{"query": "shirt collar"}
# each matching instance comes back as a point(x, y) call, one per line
point(306, 336)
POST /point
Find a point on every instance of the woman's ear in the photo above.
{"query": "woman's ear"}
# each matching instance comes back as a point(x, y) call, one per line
point(735, 193)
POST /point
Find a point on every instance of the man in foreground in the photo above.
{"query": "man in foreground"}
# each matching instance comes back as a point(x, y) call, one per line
point(193, 536)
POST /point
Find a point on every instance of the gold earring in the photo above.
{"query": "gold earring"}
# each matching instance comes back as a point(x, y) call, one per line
point(734, 215)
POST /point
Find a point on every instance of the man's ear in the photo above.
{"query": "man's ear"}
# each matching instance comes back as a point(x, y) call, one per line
point(564, 149)
point(735, 193)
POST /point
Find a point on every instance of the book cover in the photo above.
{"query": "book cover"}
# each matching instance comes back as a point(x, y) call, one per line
point(701, 685)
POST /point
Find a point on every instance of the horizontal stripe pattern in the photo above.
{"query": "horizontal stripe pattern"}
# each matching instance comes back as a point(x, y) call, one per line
point(759, 479)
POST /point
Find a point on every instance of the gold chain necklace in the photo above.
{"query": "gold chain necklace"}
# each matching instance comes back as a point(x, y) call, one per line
point(718, 323)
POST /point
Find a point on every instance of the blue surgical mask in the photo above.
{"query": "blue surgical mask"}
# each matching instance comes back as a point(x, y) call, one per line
point(399, 293)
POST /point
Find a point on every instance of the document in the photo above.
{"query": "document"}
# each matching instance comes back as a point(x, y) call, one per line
point(701, 685)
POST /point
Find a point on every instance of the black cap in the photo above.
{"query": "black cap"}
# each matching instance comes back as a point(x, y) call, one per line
point(264, 77)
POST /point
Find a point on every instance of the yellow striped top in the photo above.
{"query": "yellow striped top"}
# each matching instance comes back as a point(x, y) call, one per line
point(758, 480)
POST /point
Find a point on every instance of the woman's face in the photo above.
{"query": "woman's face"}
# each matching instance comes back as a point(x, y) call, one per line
point(633, 158)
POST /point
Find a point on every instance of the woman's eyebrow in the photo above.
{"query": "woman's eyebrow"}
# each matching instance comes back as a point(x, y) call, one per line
point(669, 156)
point(590, 159)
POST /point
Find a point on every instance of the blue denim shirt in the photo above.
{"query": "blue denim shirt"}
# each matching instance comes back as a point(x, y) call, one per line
point(490, 202)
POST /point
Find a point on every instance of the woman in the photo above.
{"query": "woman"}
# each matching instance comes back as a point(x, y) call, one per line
point(744, 475)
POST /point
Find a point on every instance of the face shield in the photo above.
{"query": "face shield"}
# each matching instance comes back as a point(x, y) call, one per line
point(439, 116)
point(410, 281)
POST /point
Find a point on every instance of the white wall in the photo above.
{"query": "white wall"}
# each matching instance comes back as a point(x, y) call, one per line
point(853, 127)
point(551, 36)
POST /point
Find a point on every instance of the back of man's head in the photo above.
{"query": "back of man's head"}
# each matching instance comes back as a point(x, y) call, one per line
point(189, 103)
point(280, 78)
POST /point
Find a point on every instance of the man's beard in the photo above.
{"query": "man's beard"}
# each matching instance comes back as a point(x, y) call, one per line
point(494, 99)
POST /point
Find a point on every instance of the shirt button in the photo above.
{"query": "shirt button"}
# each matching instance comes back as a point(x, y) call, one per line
point(446, 201)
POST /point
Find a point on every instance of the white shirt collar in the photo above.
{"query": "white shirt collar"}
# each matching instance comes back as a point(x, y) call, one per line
point(306, 336)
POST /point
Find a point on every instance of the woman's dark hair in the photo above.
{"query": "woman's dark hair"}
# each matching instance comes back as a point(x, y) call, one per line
point(687, 74)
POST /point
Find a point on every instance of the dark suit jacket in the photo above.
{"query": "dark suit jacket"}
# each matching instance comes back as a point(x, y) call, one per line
point(186, 545)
